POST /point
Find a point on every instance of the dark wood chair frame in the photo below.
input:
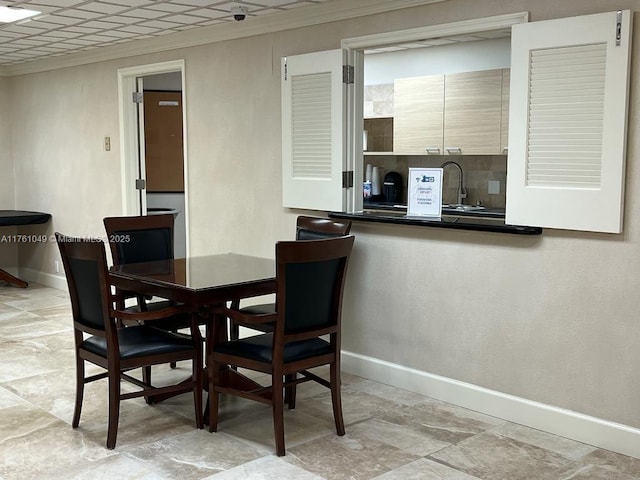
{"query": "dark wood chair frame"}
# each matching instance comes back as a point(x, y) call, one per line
point(119, 231)
point(284, 373)
point(307, 228)
point(92, 250)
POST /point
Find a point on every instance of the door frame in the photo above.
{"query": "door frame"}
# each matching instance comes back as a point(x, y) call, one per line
point(354, 53)
point(129, 145)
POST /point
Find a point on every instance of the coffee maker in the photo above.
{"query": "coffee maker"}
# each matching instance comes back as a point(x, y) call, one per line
point(392, 187)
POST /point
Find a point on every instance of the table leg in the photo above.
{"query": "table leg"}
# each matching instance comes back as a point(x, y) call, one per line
point(227, 376)
point(7, 277)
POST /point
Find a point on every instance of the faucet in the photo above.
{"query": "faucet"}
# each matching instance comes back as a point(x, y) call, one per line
point(462, 192)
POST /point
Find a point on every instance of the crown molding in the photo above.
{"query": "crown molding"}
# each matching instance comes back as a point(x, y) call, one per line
point(332, 11)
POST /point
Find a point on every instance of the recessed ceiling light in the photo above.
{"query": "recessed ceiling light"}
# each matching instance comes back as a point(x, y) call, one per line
point(13, 14)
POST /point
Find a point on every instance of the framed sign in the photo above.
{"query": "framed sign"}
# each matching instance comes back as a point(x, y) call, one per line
point(425, 192)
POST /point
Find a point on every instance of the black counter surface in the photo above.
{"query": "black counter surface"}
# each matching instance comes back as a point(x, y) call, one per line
point(461, 222)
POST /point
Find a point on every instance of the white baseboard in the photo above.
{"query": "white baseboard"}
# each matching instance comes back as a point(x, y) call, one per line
point(566, 423)
point(47, 279)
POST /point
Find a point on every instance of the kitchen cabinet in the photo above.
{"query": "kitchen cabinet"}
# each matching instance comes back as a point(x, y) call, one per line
point(418, 120)
point(472, 113)
point(462, 113)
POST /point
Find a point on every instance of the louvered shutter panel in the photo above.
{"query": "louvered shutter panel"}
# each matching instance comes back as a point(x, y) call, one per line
point(312, 131)
point(567, 130)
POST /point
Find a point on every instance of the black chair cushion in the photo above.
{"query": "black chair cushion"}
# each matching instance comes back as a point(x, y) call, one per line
point(262, 309)
point(259, 348)
point(140, 341)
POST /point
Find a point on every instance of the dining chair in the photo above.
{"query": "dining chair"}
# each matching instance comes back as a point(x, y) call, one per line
point(135, 239)
point(310, 278)
point(118, 350)
point(307, 228)
point(146, 238)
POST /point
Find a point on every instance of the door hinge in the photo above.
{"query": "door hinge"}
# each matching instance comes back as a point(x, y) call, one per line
point(141, 184)
point(137, 97)
point(285, 68)
point(347, 179)
point(347, 74)
point(618, 27)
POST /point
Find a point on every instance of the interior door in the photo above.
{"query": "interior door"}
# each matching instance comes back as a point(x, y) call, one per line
point(163, 143)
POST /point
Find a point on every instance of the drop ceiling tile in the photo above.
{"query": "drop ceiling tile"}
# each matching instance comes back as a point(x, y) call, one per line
point(103, 8)
point(131, 3)
point(159, 24)
point(80, 29)
point(59, 3)
point(56, 35)
point(99, 38)
point(144, 13)
point(210, 13)
point(62, 20)
point(119, 34)
point(124, 20)
point(168, 8)
point(138, 30)
point(82, 14)
point(187, 19)
point(22, 29)
point(197, 3)
point(101, 25)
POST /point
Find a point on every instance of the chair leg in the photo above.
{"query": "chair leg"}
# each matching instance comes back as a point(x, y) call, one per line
point(79, 391)
point(197, 390)
point(214, 396)
point(277, 405)
point(114, 407)
point(146, 378)
point(290, 392)
point(336, 398)
point(234, 331)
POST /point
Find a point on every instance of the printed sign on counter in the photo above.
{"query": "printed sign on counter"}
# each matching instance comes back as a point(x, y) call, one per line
point(425, 192)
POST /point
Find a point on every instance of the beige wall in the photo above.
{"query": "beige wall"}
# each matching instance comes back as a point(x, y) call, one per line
point(6, 159)
point(8, 252)
point(551, 318)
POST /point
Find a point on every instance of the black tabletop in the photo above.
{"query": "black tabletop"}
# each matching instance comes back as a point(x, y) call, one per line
point(22, 217)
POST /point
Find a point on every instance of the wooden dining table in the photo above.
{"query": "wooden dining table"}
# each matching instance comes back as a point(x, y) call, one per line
point(202, 282)
point(12, 218)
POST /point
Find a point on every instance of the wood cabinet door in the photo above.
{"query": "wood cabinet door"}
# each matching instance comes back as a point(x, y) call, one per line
point(472, 111)
point(418, 115)
point(164, 158)
point(504, 124)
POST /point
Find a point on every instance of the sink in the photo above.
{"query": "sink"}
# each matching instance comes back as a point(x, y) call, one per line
point(463, 208)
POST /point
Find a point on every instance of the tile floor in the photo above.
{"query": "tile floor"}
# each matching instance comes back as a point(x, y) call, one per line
point(391, 433)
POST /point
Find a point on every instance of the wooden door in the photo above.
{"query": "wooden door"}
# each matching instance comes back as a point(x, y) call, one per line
point(164, 158)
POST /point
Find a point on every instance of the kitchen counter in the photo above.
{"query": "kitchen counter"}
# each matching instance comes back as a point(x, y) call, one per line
point(460, 221)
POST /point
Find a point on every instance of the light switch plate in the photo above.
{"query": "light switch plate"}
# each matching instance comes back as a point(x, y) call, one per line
point(494, 187)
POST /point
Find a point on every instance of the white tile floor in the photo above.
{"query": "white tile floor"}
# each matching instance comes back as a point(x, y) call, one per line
point(391, 433)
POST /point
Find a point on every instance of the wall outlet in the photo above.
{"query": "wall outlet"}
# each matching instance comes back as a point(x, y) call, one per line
point(107, 144)
point(56, 265)
point(494, 187)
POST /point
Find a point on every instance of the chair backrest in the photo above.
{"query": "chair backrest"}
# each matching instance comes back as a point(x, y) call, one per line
point(310, 276)
point(85, 266)
point(314, 228)
point(140, 239)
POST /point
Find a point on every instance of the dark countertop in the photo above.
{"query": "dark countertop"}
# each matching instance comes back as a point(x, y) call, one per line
point(460, 222)
point(446, 209)
point(21, 217)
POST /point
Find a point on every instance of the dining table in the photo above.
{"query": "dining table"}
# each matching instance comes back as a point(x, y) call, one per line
point(13, 218)
point(204, 283)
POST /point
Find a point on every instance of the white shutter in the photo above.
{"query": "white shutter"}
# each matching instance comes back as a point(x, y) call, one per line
point(567, 127)
point(313, 112)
